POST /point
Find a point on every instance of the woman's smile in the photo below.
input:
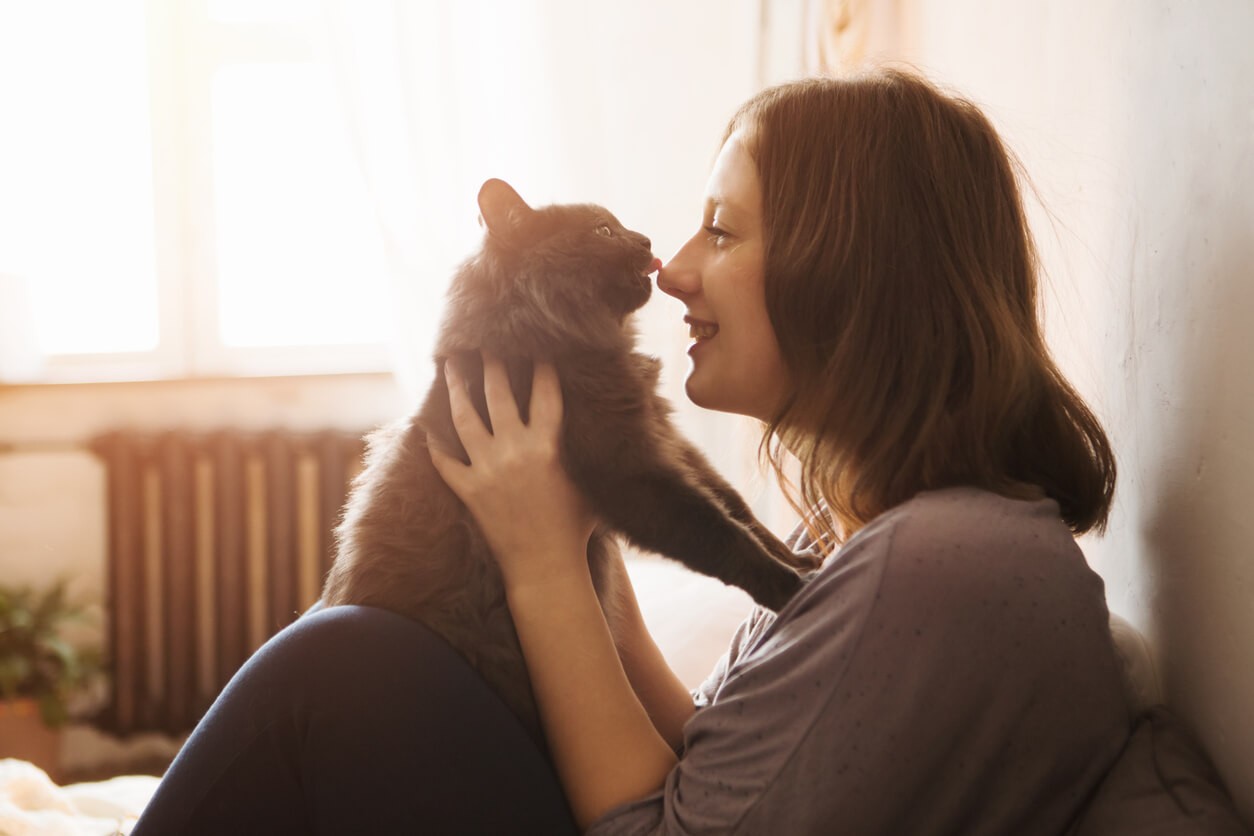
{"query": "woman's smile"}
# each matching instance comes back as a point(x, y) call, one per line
point(700, 330)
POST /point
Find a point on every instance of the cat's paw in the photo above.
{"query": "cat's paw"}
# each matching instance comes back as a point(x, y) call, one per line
point(774, 589)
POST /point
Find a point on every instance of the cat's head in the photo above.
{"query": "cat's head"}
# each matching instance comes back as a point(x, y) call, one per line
point(572, 260)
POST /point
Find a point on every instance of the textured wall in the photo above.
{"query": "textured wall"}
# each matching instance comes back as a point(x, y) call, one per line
point(1135, 121)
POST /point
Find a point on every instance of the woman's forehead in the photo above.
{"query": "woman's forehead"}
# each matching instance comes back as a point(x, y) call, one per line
point(733, 182)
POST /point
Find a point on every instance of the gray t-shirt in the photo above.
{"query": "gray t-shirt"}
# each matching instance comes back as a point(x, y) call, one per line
point(949, 670)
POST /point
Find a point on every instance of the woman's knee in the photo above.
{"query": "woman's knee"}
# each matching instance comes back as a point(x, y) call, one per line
point(368, 646)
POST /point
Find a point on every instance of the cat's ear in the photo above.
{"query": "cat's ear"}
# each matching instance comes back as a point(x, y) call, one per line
point(502, 211)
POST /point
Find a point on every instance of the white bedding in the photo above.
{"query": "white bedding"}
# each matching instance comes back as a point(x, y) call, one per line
point(32, 805)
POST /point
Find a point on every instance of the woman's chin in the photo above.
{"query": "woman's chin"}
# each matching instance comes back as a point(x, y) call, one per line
point(702, 394)
point(699, 392)
point(693, 390)
point(704, 391)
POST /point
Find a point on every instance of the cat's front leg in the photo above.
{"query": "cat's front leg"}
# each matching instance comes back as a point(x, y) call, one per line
point(617, 448)
point(734, 503)
point(660, 510)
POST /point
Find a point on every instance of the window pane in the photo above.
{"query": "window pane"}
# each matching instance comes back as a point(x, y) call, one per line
point(300, 257)
point(76, 216)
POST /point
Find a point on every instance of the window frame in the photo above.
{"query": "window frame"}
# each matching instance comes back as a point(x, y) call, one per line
point(185, 49)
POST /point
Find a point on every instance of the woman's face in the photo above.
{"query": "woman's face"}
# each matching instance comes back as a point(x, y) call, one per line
point(718, 275)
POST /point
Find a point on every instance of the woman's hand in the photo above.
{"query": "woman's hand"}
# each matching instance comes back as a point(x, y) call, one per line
point(604, 744)
point(535, 520)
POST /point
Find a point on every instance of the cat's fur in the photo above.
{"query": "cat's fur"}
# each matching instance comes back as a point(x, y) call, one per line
point(557, 283)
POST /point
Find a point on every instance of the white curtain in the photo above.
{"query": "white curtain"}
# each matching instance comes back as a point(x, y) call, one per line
point(439, 97)
point(567, 100)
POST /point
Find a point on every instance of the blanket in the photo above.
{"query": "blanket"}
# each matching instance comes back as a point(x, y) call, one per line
point(32, 805)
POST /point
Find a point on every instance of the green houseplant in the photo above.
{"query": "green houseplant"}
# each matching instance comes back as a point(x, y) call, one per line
point(36, 663)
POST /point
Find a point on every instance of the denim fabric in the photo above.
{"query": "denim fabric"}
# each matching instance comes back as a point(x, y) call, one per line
point(357, 720)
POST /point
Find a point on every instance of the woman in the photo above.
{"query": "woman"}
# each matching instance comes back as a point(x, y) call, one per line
point(864, 284)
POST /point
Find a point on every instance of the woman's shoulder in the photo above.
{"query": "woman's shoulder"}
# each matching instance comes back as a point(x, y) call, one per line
point(966, 529)
point(970, 523)
point(958, 580)
point(966, 546)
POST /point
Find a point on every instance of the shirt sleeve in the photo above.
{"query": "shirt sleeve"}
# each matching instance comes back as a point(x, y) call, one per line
point(759, 705)
point(744, 636)
point(747, 633)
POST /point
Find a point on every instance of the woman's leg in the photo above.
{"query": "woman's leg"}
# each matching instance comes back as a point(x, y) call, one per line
point(357, 720)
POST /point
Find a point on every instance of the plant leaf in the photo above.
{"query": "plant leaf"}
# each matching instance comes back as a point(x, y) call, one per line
point(53, 710)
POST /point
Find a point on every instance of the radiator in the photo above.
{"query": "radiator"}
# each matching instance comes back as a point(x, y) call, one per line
point(215, 543)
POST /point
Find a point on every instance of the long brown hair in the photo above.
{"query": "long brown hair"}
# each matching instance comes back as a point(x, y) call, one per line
point(901, 281)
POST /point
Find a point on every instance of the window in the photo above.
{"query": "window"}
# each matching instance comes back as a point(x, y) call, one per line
point(178, 193)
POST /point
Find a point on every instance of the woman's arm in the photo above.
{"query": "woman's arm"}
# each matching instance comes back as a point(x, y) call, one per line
point(667, 700)
point(604, 744)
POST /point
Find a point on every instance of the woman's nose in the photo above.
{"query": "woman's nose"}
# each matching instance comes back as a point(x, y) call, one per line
point(678, 277)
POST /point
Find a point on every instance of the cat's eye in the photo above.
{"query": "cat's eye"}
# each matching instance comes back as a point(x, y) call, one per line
point(605, 231)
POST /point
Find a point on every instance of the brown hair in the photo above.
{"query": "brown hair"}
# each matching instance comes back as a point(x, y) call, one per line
point(901, 282)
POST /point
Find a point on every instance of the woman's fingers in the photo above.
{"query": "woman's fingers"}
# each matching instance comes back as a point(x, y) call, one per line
point(546, 399)
point(466, 420)
point(450, 468)
point(502, 408)
point(546, 409)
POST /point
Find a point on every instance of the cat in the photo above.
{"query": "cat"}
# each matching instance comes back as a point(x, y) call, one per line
point(558, 283)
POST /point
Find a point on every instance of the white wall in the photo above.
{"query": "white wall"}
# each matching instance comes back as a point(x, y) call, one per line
point(1135, 120)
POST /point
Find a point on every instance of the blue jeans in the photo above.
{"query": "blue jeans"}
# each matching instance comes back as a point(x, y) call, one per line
point(357, 720)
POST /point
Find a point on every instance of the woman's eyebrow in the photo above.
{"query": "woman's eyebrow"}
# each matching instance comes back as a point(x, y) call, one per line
point(719, 202)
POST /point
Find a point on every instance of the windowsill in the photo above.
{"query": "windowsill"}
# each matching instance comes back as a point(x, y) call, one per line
point(46, 418)
point(192, 380)
point(210, 361)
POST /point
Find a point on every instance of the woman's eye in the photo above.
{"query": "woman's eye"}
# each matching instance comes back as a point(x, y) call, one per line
point(605, 231)
point(716, 233)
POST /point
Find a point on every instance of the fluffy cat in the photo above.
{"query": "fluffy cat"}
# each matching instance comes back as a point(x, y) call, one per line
point(558, 283)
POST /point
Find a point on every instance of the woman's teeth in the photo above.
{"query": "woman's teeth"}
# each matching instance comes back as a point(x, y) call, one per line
point(701, 331)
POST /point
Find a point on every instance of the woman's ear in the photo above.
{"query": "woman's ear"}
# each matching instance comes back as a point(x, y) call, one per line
point(502, 211)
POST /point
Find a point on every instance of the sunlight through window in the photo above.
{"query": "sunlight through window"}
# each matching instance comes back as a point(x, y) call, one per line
point(179, 195)
point(300, 261)
point(76, 211)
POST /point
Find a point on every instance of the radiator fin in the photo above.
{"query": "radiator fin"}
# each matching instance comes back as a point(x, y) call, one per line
point(215, 543)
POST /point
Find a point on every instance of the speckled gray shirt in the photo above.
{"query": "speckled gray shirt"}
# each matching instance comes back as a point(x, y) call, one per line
point(948, 671)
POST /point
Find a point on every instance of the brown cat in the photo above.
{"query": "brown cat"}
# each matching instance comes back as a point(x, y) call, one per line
point(558, 283)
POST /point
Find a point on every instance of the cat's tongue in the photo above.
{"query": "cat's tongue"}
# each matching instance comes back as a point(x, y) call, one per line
point(654, 266)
